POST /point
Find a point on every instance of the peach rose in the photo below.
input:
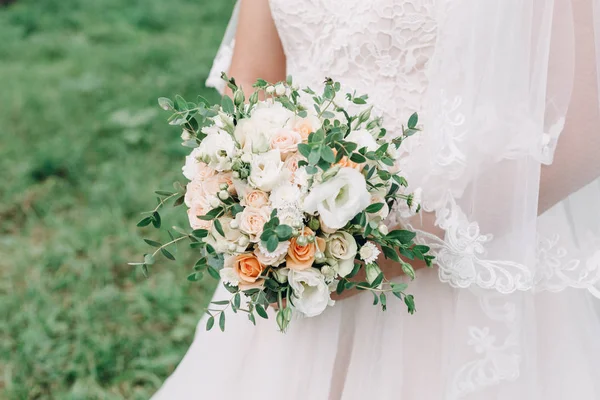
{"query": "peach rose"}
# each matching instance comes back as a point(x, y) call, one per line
point(291, 162)
point(248, 269)
point(256, 198)
point(302, 257)
point(198, 209)
point(211, 186)
point(305, 126)
point(286, 141)
point(252, 220)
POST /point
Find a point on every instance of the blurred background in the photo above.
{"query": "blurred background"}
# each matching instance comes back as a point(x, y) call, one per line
point(83, 145)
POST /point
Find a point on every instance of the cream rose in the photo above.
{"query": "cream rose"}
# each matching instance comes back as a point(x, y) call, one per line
point(339, 199)
point(310, 291)
point(199, 208)
point(251, 221)
point(342, 247)
point(286, 141)
point(217, 150)
point(266, 171)
point(256, 198)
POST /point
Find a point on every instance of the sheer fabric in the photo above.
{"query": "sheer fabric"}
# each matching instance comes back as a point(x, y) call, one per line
point(519, 256)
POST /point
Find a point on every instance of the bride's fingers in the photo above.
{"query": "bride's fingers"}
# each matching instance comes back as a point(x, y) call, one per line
point(276, 306)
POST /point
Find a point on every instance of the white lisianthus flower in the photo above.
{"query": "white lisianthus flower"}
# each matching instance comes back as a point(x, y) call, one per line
point(339, 199)
point(217, 150)
point(193, 166)
point(266, 171)
point(369, 253)
point(363, 138)
point(342, 247)
point(310, 291)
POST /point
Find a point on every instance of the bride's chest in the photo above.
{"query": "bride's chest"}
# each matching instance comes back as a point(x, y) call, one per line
point(365, 26)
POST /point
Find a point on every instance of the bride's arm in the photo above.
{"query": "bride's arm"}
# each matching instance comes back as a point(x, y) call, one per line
point(258, 52)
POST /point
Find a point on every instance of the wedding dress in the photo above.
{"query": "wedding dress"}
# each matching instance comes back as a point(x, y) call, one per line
point(508, 313)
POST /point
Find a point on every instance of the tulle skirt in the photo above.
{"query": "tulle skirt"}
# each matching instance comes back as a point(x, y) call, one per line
point(356, 351)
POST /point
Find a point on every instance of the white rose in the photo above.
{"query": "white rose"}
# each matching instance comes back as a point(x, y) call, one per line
point(342, 247)
point(251, 137)
point(266, 170)
point(310, 292)
point(217, 150)
point(339, 199)
point(362, 138)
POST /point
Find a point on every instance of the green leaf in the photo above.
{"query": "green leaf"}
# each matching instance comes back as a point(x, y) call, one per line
point(236, 209)
point(408, 270)
point(237, 300)
point(200, 233)
point(302, 114)
point(401, 181)
point(220, 302)
point(311, 170)
point(212, 214)
point(383, 301)
point(272, 243)
point(340, 287)
point(167, 254)
point(145, 222)
point(421, 248)
point(377, 280)
point(165, 104)
point(219, 227)
point(213, 272)
point(163, 193)
point(373, 208)
point(413, 121)
point(375, 299)
point(315, 155)
point(260, 310)
point(407, 253)
point(358, 100)
point(358, 158)
point(210, 323)
point(156, 219)
point(327, 154)
point(252, 319)
point(180, 103)
point(284, 232)
point(399, 287)
point(222, 322)
point(227, 105)
point(152, 243)
point(390, 253)
point(409, 300)
point(403, 236)
point(145, 270)
point(328, 114)
point(354, 270)
point(193, 277)
point(179, 201)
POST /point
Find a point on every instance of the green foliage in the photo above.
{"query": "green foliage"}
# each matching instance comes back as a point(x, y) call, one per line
point(83, 144)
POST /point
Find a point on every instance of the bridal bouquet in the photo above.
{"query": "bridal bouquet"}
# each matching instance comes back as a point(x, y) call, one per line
point(287, 199)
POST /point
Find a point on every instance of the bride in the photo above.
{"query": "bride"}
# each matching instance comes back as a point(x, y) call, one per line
point(511, 192)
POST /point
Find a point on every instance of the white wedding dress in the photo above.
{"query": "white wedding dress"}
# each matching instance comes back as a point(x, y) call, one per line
point(480, 332)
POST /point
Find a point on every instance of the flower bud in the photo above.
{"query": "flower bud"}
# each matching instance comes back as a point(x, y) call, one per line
point(223, 186)
point(244, 173)
point(295, 233)
point(372, 271)
point(243, 240)
point(383, 229)
point(236, 174)
point(246, 158)
point(231, 247)
point(319, 257)
point(328, 272)
point(254, 98)
point(302, 241)
point(281, 274)
point(270, 90)
point(214, 202)
point(234, 224)
point(238, 97)
point(280, 89)
point(223, 195)
point(236, 165)
point(310, 238)
point(314, 224)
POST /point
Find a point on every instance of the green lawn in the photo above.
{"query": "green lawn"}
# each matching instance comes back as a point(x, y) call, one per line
point(82, 147)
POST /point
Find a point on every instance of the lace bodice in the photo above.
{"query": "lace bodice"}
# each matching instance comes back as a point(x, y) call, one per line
point(378, 47)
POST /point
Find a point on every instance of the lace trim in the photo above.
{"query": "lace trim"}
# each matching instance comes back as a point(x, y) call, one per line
point(221, 64)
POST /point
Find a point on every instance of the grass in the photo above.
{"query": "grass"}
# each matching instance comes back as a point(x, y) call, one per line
point(82, 146)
